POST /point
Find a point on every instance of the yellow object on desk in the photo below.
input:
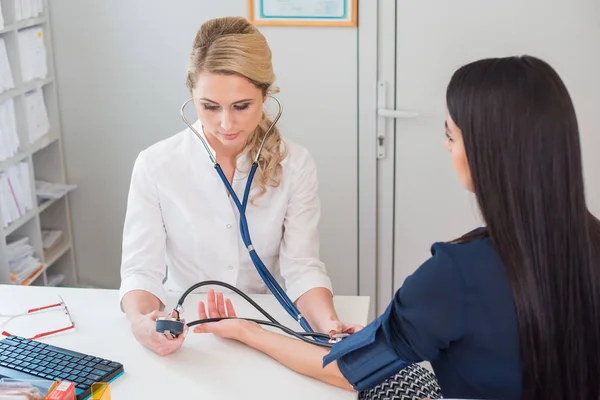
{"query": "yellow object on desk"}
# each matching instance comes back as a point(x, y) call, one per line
point(100, 391)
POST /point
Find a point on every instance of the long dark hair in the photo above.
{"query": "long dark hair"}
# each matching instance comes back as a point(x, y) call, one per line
point(521, 139)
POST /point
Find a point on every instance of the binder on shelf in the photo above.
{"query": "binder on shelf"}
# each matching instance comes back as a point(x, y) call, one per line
point(25, 9)
point(33, 53)
point(9, 139)
point(6, 78)
point(15, 193)
point(37, 116)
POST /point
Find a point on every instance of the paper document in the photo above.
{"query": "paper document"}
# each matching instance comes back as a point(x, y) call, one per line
point(6, 78)
point(9, 138)
point(25, 9)
point(304, 8)
point(22, 261)
point(37, 117)
point(34, 63)
point(51, 238)
point(49, 190)
point(16, 197)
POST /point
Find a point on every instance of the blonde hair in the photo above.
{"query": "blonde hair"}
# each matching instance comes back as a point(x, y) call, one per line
point(233, 46)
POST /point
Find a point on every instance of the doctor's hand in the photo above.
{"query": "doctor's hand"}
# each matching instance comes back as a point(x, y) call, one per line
point(333, 326)
point(218, 307)
point(144, 330)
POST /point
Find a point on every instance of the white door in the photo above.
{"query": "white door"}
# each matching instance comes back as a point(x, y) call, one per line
point(420, 44)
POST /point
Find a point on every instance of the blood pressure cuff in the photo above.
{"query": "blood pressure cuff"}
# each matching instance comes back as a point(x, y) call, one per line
point(366, 358)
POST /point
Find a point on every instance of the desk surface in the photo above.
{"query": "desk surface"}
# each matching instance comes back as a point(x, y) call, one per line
point(206, 367)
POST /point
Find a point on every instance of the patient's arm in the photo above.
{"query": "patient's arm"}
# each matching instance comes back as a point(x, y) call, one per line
point(301, 357)
point(304, 358)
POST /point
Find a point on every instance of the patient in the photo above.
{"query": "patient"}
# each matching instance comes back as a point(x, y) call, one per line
point(510, 310)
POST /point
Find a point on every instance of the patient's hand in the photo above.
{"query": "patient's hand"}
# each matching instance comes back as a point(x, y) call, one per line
point(218, 307)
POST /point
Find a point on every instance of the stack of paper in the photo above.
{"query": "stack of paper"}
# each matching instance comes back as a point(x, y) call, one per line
point(15, 193)
point(9, 139)
point(33, 53)
point(28, 9)
point(6, 78)
point(51, 239)
point(37, 117)
point(51, 191)
point(22, 262)
point(55, 280)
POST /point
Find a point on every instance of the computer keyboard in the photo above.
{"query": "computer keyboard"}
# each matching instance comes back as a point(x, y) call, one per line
point(37, 359)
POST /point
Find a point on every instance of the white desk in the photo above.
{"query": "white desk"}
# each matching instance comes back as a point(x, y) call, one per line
point(206, 367)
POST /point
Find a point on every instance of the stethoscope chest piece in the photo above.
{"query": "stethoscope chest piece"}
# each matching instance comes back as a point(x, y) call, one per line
point(169, 326)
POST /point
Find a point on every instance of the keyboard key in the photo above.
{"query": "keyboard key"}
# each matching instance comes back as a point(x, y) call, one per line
point(103, 368)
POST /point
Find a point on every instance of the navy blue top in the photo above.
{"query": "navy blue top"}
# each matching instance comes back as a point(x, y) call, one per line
point(455, 311)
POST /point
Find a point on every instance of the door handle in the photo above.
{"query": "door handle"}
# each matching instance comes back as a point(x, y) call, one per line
point(401, 114)
point(383, 112)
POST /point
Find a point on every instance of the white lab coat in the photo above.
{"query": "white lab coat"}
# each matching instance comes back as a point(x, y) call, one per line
point(179, 214)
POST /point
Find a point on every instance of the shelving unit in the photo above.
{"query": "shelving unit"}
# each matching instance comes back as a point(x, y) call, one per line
point(44, 158)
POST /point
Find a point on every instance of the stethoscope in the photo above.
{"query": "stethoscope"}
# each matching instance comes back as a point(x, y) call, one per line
point(265, 274)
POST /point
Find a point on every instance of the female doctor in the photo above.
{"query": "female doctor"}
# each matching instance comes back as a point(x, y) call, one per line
point(180, 214)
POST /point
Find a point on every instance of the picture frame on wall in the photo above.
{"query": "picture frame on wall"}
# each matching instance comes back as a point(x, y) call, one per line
point(303, 12)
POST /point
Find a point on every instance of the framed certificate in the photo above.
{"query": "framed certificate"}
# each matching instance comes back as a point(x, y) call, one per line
point(303, 12)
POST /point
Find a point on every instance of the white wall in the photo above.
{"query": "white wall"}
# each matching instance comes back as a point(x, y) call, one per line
point(121, 81)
